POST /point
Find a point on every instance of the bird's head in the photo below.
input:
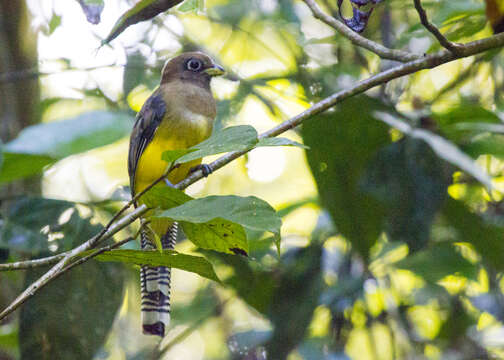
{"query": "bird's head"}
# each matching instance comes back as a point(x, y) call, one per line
point(194, 67)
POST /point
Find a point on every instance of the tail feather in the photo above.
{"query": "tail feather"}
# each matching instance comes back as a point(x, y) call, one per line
point(155, 286)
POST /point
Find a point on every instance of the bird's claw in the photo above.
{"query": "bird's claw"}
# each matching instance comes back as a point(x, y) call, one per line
point(205, 169)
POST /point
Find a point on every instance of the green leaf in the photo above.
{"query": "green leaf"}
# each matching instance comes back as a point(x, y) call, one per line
point(251, 212)
point(168, 258)
point(443, 148)
point(172, 155)
point(469, 227)
point(217, 234)
point(280, 142)
point(234, 138)
point(341, 144)
point(191, 5)
point(54, 23)
point(411, 181)
point(437, 262)
point(59, 139)
point(40, 145)
point(164, 197)
point(19, 166)
point(492, 144)
point(92, 9)
point(134, 71)
point(72, 317)
point(142, 11)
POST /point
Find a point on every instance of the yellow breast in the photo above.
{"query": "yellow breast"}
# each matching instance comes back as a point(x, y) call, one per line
point(186, 123)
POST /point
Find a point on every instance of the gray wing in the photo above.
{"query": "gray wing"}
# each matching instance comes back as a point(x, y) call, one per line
point(146, 124)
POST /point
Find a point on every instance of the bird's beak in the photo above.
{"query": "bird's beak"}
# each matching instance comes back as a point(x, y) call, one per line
point(215, 70)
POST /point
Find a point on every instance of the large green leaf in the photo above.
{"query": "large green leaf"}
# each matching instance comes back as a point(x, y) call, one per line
point(59, 139)
point(142, 11)
point(216, 222)
point(342, 142)
point(164, 197)
point(250, 212)
point(411, 181)
point(169, 258)
point(234, 138)
point(469, 227)
point(443, 148)
point(42, 144)
point(72, 316)
point(439, 261)
point(18, 166)
point(217, 234)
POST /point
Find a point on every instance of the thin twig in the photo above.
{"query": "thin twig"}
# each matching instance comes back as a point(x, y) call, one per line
point(427, 62)
point(380, 50)
point(447, 44)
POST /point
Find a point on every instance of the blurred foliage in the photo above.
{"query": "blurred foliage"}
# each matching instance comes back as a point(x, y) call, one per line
point(374, 231)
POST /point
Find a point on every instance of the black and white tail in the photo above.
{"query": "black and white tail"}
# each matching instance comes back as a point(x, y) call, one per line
point(155, 286)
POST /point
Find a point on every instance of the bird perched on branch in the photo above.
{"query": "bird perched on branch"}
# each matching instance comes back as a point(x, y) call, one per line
point(178, 115)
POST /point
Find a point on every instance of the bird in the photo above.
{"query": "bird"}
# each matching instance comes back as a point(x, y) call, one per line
point(179, 114)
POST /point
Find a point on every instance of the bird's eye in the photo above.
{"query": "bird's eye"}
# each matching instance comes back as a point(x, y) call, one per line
point(194, 65)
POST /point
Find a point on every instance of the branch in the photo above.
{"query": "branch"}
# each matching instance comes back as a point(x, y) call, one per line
point(453, 47)
point(380, 50)
point(427, 62)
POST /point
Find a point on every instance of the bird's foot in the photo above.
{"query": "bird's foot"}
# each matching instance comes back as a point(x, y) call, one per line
point(205, 169)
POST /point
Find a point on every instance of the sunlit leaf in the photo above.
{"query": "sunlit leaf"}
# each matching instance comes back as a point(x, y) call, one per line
point(54, 23)
point(439, 261)
point(442, 147)
point(192, 5)
point(217, 234)
point(342, 143)
point(486, 238)
point(168, 258)
point(143, 10)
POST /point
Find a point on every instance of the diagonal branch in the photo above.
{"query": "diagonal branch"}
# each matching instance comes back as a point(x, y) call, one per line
point(380, 50)
point(451, 46)
point(427, 62)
